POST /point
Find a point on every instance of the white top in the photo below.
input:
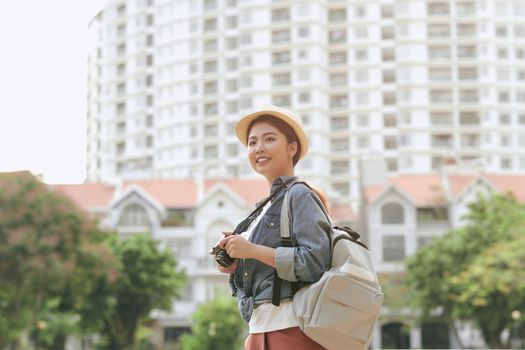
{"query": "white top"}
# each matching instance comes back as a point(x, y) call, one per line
point(268, 317)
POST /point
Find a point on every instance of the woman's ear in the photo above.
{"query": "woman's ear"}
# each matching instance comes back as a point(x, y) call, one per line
point(292, 148)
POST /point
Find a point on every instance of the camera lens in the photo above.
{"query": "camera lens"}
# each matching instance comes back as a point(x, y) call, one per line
point(223, 258)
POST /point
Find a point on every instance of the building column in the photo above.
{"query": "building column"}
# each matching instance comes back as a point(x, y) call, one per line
point(415, 338)
point(376, 339)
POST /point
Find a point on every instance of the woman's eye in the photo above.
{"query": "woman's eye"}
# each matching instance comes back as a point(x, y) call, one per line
point(251, 143)
point(269, 139)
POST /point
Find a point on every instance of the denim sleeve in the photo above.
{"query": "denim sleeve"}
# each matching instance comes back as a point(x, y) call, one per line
point(310, 229)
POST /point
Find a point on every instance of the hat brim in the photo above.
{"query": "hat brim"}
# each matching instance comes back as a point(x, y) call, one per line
point(241, 128)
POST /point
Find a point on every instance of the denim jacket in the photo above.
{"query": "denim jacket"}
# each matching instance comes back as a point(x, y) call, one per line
point(305, 262)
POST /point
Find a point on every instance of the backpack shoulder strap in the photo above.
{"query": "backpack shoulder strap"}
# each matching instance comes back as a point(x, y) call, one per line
point(286, 238)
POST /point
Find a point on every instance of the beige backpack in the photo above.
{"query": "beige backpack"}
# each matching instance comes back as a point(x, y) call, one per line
point(340, 310)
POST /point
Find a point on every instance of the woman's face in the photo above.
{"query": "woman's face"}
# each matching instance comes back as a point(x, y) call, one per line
point(269, 152)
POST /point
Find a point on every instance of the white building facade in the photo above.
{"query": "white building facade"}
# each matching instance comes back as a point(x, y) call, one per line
point(417, 82)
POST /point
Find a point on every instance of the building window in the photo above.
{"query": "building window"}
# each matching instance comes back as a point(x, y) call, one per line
point(439, 52)
point(442, 140)
point(337, 15)
point(466, 30)
point(389, 76)
point(438, 30)
point(282, 100)
point(440, 96)
point(389, 98)
point(469, 118)
point(338, 101)
point(437, 9)
point(210, 45)
point(469, 73)
point(210, 24)
point(467, 51)
point(337, 36)
point(338, 79)
point(280, 36)
point(506, 163)
point(339, 123)
point(281, 57)
point(390, 120)
point(340, 145)
point(392, 213)
point(211, 130)
point(391, 165)
point(303, 32)
point(304, 97)
point(388, 54)
point(211, 152)
point(282, 14)
point(337, 58)
point(390, 142)
point(340, 167)
point(429, 215)
point(280, 79)
point(362, 142)
point(211, 108)
point(439, 74)
point(210, 66)
point(342, 187)
point(468, 96)
point(134, 215)
point(393, 248)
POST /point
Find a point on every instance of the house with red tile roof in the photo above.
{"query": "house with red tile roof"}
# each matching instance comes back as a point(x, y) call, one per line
point(188, 217)
point(404, 213)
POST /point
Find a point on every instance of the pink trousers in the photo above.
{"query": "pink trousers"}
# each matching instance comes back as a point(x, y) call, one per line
point(284, 339)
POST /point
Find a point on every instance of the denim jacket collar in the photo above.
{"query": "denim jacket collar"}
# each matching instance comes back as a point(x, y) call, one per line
point(276, 184)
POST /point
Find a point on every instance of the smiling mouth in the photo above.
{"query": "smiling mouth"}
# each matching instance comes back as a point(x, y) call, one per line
point(262, 159)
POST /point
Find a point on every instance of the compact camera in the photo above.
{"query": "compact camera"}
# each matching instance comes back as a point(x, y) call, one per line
point(222, 257)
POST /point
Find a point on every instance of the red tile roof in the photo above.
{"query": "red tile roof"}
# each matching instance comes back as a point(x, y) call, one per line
point(424, 190)
point(172, 193)
point(458, 183)
point(427, 190)
point(509, 183)
point(250, 190)
point(87, 196)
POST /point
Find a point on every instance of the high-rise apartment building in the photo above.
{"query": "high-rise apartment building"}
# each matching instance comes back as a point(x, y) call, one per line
point(419, 83)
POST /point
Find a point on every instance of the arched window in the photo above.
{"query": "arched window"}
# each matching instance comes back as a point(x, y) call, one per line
point(392, 213)
point(134, 215)
point(395, 335)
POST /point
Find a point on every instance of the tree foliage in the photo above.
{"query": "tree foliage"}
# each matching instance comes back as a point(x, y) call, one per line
point(217, 325)
point(61, 276)
point(443, 274)
point(148, 279)
point(45, 241)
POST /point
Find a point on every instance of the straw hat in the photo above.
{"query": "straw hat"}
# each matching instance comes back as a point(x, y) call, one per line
point(241, 129)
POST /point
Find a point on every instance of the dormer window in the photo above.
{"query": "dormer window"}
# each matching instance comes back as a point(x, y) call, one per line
point(392, 213)
point(134, 215)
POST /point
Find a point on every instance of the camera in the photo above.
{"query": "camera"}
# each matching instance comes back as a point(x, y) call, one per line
point(222, 257)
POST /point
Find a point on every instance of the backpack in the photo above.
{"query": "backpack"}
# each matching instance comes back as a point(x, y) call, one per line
point(341, 309)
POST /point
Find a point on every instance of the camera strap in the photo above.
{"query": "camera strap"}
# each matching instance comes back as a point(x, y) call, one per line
point(243, 225)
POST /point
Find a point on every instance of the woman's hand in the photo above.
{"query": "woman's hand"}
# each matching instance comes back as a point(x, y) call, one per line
point(230, 269)
point(237, 246)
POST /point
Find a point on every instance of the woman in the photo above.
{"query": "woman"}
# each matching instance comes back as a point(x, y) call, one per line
point(276, 141)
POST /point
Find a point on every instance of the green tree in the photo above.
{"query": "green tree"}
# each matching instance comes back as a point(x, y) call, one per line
point(434, 270)
point(148, 278)
point(44, 241)
point(493, 287)
point(217, 325)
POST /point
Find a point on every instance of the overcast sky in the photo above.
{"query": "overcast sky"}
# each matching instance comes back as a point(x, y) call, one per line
point(43, 47)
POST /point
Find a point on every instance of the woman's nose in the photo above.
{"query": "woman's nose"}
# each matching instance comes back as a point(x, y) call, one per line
point(259, 147)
